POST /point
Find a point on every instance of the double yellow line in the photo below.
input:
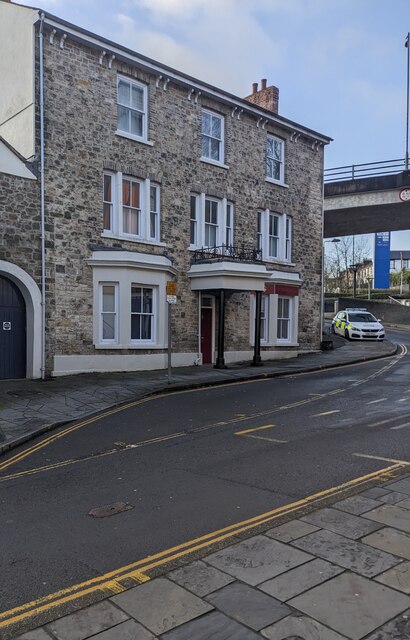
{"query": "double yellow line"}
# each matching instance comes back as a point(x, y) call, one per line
point(119, 580)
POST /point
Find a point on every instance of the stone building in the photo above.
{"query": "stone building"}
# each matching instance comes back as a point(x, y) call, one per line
point(147, 176)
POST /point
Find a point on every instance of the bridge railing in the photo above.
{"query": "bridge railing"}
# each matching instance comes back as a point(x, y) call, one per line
point(366, 170)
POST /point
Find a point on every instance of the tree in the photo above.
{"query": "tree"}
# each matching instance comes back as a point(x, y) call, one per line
point(339, 258)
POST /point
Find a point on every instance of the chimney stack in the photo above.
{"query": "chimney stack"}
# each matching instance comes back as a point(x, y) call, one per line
point(267, 97)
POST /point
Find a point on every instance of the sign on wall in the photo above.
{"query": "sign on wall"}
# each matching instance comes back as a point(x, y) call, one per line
point(382, 260)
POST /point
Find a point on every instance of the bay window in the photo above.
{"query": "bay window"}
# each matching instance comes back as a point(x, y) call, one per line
point(142, 313)
point(108, 312)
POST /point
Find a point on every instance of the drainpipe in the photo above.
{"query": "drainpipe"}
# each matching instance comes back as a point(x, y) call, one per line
point(42, 206)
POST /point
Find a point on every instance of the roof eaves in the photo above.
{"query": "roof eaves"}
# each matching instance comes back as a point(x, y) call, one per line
point(180, 78)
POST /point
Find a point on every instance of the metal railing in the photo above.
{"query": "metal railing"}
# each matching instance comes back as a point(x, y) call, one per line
point(233, 253)
point(366, 170)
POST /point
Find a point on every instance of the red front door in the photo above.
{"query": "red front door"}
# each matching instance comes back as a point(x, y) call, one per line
point(206, 335)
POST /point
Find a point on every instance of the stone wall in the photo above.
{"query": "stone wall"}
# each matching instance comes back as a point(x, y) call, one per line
point(20, 224)
point(81, 140)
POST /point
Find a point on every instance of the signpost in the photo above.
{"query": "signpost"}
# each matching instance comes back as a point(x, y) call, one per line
point(382, 260)
point(171, 291)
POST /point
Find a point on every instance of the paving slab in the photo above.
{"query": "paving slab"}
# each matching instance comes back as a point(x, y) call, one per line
point(347, 553)
point(393, 497)
point(248, 605)
point(391, 515)
point(297, 627)
point(390, 540)
point(400, 485)
point(290, 531)
point(258, 559)
point(397, 629)
point(405, 504)
point(340, 522)
point(398, 578)
point(200, 578)
point(87, 622)
point(374, 493)
point(161, 605)
point(214, 625)
point(362, 604)
point(129, 630)
point(357, 504)
point(296, 581)
point(36, 634)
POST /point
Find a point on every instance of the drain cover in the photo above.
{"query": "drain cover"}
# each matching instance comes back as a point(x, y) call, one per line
point(110, 510)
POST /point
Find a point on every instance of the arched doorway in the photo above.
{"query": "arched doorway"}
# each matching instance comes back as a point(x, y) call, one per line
point(13, 347)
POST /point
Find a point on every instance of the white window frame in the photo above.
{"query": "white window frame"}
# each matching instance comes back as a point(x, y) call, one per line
point(221, 140)
point(198, 224)
point(283, 237)
point(288, 319)
point(271, 159)
point(153, 339)
point(124, 269)
point(265, 319)
point(144, 135)
point(117, 212)
point(101, 313)
point(271, 307)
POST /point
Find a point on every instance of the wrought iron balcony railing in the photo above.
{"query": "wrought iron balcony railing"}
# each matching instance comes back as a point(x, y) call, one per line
point(232, 253)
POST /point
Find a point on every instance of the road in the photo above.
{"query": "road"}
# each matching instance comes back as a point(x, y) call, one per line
point(191, 463)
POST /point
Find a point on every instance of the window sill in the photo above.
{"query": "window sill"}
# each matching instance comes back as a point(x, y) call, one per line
point(279, 183)
point(116, 236)
point(124, 134)
point(284, 263)
point(128, 347)
point(214, 163)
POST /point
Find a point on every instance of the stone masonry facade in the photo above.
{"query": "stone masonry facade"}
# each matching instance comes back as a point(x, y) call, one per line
point(82, 142)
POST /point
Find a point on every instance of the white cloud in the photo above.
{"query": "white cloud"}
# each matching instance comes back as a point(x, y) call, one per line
point(223, 44)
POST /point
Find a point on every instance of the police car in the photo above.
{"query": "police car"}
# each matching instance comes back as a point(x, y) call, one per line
point(357, 324)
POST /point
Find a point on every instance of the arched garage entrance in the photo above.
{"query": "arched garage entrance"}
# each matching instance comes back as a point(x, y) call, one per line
point(19, 295)
point(12, 331)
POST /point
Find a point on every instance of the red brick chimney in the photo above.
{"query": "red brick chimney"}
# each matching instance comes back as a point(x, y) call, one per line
point(266, 97)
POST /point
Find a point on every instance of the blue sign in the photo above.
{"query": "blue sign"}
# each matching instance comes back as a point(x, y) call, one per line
point(382, 260)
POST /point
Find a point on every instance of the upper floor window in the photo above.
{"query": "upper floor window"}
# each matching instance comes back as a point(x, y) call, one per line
point(131, 207)
point(275, 159)
point(274, 236)
point(212, 137)
point(211, 222)
point(132, 108)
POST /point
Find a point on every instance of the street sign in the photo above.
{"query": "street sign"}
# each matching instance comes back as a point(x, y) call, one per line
point(171, 288)
point(6, 326)
point(404, 195)
point(171, 299)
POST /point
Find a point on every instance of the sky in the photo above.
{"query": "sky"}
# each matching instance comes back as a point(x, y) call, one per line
point(340, 65)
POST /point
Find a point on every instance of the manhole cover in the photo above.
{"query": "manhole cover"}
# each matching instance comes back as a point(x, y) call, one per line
point(110, 510)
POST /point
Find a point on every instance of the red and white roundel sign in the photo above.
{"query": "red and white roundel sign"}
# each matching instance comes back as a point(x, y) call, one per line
point(404, 195)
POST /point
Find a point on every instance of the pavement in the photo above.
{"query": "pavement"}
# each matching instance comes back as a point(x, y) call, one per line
point(337, 572)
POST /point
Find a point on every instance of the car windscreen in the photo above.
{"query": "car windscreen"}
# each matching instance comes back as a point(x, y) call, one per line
point(361, 317)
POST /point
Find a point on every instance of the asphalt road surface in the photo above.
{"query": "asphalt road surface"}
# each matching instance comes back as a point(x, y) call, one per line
point(190, 463)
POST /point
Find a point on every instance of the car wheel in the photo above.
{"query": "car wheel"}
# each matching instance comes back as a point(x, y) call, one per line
point(347, 334)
